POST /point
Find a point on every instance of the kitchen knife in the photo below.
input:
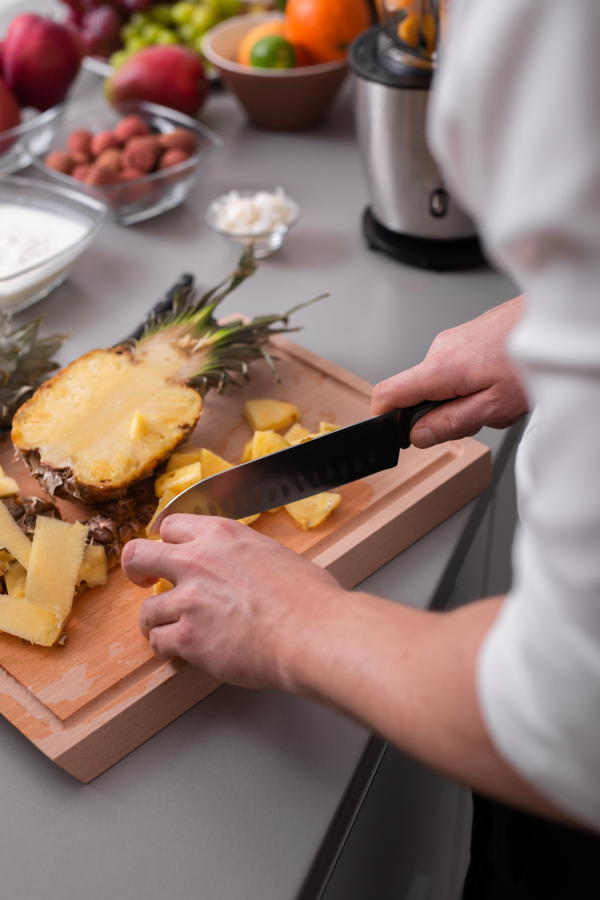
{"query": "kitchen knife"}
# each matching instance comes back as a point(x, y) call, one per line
point(321, 464)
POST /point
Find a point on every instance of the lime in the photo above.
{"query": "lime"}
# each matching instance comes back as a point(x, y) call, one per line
point(273, 52)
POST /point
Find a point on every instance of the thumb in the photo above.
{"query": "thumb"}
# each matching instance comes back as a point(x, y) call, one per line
point(407, 389)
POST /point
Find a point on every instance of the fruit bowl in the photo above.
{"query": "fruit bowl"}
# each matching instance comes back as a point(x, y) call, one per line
point(156, 192)
point(32, 137)
point(43, 230)
point(281, 99)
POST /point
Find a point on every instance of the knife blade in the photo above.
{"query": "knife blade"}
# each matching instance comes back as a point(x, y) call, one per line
point(321, 464)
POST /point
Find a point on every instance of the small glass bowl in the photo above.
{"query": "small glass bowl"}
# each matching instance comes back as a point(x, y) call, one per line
point(31, 283)
point(142, 198)
point(31, 138)
point(263, 244)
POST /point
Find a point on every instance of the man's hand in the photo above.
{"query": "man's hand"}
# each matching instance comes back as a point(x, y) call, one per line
point(470, 363)
point(238, 598)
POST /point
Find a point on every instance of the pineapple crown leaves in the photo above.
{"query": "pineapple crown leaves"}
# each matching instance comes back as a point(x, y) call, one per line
point(25, 362)
point(217, 353)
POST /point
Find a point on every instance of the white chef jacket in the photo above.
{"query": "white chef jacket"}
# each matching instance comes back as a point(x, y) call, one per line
point(515, 126)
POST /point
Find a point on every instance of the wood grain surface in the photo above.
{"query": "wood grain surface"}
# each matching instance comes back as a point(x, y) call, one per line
point(88, 703)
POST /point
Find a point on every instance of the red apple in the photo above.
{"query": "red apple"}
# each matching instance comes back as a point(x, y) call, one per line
point(170, 75)
point(40, 61)
point(10, 114)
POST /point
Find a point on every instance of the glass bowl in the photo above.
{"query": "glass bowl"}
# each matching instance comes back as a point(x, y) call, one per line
point(141, 198)
point(31, 266)
point(31, 138)
point(264, 243)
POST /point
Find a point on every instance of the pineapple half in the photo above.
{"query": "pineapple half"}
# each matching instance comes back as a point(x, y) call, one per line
point(106, 421)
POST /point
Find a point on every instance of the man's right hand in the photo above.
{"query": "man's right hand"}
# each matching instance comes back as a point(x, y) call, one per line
point(468, 362)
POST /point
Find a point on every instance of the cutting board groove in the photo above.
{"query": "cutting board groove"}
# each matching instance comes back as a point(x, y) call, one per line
point(92, 701)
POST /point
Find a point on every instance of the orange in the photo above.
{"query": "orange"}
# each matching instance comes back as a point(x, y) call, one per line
point(325, 28)
point(264, 29)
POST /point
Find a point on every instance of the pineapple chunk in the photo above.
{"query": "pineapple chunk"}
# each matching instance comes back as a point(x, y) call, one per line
point(296, 433)
point(5, 560)
point(8, 486)
point(312, 511)
point(12, 538)
point(54, 563)
point(270, 415)
point(182, 458)
point(162, 586)
point(138, 427)
point(212, 464)
point(93, 569)
point(326, 427)
point(248, 520)
point(247, 451)
point(164, 500)
point(265, 442)
point(15, 580)
point(29, 621)
point(178, 480)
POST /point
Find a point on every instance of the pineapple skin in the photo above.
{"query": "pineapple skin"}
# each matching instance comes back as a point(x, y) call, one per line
point(66, 480)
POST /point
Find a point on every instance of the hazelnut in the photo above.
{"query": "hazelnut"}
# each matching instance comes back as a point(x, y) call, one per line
point(173, 158)
point(141, 153)
point(103, 140)
point(180, 138)
point(130, 126)
point(60, 161)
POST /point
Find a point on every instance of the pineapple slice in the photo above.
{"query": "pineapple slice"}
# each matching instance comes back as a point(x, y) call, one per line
point(5, 560)
point(270, 415)
point(54, 563)
point(15, 580)
point(138, 427)
point(326, 427)
point(247, 452)
point(312, 511)
point(178, 480)
point(162, 586)
point(266, 442)
point(185, 457)
point(248, 520)
point(212, 464)
point(164, 500)
point(12, 538)
point(93, 569)
point(29, 621)
point(296, 433)
point(8, 485)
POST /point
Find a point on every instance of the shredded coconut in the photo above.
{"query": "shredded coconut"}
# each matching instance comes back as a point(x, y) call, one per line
point(256, 214)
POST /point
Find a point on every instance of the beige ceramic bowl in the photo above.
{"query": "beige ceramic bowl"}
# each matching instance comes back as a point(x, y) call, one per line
point(283, 99)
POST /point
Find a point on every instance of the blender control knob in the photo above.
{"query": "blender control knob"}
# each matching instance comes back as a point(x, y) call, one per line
point(438, 203)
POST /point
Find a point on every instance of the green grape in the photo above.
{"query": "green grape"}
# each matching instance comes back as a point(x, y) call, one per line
point(182, 12)
point(226, 8)
point(118, 57)
point(197, 43)
point(162, 13)
point(135, 43)
point(127, 31)
point(167, 36)
point(138, 20)
point(187, 32)
point(150, 32)
point(203, 18)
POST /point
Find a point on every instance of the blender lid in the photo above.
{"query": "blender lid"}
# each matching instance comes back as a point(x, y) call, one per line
point(369, 58)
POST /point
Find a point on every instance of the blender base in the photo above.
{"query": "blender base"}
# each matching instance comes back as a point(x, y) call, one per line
point(425, 253)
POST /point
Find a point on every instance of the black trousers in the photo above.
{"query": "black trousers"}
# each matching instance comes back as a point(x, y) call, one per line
point(517, 856)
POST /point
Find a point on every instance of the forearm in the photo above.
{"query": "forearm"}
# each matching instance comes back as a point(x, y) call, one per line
point(409, 676)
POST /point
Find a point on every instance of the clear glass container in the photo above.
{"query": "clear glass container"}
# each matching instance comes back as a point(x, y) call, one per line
point(263, 243)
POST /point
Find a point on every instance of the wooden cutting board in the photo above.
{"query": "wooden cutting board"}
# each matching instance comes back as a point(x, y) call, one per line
point(88, 703)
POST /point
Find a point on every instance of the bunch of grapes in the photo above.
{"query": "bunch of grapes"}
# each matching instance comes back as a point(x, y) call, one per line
point(114, 29)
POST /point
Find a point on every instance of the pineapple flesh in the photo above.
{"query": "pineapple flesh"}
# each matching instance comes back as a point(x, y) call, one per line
point(270, 415)
point(105, 422)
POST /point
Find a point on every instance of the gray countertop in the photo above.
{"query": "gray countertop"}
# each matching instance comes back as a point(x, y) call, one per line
point(233, 800)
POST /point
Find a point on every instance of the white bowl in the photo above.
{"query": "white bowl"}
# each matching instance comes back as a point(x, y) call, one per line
point(29, 281)
point(263, 243)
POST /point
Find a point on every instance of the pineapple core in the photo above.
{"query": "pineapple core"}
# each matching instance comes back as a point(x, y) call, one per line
point(88, 422)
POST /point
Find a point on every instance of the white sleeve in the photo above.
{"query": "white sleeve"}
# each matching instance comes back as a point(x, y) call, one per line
point(515, 125)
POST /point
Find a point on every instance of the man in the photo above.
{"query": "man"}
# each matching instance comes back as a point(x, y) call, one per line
point(502, 695)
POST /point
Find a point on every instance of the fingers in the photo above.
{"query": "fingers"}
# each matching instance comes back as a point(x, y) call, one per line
point(165, 641)
point(144, 562)
point(157, 611)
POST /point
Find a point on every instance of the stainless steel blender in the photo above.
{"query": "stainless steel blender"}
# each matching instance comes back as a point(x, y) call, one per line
point(411, 214)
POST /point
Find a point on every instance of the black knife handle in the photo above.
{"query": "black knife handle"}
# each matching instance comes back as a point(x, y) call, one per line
point(412, 414)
